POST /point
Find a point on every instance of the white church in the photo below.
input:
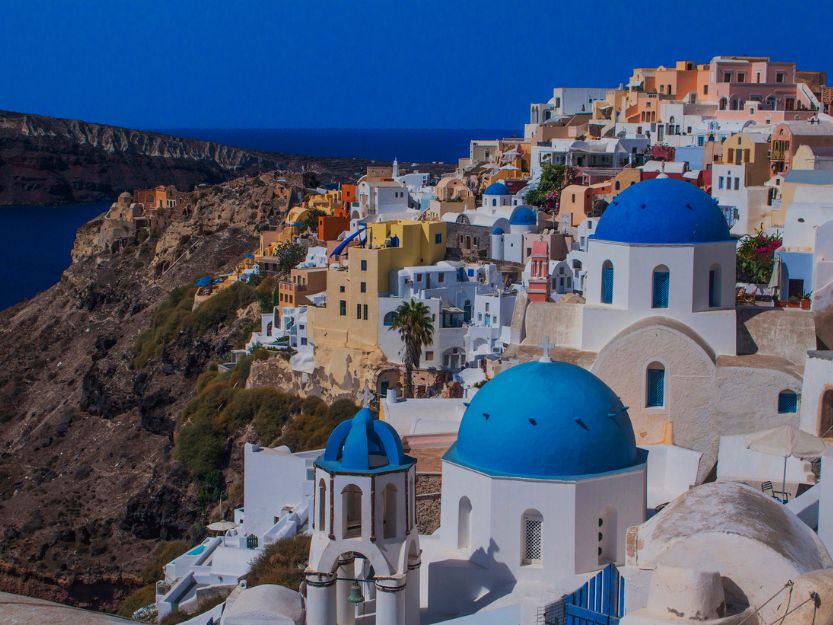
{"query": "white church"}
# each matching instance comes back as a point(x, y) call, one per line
point(534, 496)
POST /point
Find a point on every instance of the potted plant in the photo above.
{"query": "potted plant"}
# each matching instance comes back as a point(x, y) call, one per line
point(806, 298)
point(794, 301)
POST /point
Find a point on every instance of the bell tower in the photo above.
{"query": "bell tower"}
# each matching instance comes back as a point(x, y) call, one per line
point(364, 554)
point(539, 279)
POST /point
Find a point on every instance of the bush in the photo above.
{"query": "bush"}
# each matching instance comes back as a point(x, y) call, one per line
point(163, 552)
point(139, 598)
point(312, 428)
point(281, 563)
point(201, 448)
point(175, 316)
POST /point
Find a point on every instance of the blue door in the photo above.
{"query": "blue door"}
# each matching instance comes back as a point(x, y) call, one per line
point(601, 601)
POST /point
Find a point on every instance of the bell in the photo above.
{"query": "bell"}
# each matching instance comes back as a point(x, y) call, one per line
point(355, 597)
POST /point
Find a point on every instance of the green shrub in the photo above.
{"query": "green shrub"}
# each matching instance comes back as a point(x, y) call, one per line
point(139, 598)
point(201, 448)
point(312, 428)
point(164, 325)
point(281, 563)
point(163, 552)
point(175, 316)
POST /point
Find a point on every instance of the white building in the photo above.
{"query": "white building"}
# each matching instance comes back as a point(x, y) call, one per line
point(273, 509)
point(450, 290)
point(608, 153)
point(520, 517)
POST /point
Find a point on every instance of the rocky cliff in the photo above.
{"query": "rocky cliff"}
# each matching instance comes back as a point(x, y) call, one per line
point(44, 160)
point(87, 479)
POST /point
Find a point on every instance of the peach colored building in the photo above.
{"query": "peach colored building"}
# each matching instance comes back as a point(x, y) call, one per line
point(788, 136)
point(302, 282)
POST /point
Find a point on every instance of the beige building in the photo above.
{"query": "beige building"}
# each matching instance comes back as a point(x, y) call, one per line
point(351, 317)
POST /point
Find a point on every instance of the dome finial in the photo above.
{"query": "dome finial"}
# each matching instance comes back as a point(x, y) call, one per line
point(545, 345)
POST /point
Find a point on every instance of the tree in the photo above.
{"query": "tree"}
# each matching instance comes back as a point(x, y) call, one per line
point(548, 193)
point(413, 321)
point(311, 220)
point(289, 255)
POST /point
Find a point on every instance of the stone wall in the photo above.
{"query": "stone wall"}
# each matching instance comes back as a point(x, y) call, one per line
point(785, 332)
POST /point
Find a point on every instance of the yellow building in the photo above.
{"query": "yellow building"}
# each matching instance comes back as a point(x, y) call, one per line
point(350, 318)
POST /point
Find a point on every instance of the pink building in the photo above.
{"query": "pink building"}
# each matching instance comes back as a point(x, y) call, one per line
point(741, 86)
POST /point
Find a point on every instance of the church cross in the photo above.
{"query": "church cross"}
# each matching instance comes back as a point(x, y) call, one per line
point(546, 346)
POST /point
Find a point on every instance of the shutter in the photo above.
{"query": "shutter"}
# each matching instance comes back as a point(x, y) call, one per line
point(787, 402)
point(661, 284)
point(656, 388)
point(607, 285)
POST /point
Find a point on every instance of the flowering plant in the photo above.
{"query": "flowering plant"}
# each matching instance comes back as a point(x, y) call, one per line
point(755, 256)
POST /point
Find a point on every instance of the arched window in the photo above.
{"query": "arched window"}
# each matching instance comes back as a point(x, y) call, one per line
point(464, 523)
point(607, 282)
point(617, 185)
point(787, 402)
point(322, 506)
point(388, 318)
point(714, 286)
point(389, 511)
point(655, 385)
point(661, 284)
point(722, 104)
point(351, 511)
point(531, 525)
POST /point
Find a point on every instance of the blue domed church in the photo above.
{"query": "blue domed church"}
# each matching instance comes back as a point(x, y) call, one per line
point(540, 487)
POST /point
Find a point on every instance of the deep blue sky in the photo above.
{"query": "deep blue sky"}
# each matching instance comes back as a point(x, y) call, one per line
point(356, 63)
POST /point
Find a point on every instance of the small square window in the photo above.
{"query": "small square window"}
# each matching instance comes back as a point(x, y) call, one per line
point(429, 355)
point(364, 265)
point(341, 289)
point(342, 308)
point(363, 287)
point(438, 238)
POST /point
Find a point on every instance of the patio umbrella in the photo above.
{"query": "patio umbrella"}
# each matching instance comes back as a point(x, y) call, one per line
point(221, 526)
point(786, 441)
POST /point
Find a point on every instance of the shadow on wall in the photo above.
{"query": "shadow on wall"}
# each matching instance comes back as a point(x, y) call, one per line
point(464, 587)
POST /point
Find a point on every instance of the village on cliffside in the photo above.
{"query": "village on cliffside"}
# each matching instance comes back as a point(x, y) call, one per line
point(583, 378)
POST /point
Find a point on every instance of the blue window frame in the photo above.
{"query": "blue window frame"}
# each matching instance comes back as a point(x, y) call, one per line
point(661, 284)
point(607, 282)
point(388, 319)
point(787, 401)
point(655, 386)
point(714, 288)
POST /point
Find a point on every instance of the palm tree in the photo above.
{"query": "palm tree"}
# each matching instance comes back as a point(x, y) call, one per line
point(413, 320)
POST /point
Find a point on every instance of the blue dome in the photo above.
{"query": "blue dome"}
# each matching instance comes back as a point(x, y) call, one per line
point(496, 188)
point(523, 216)
point(545, 420)
point(497, 230)
point(364, 445)
point(663, 211)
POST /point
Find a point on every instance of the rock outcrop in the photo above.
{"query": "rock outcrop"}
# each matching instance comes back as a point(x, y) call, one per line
point(88, 483)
